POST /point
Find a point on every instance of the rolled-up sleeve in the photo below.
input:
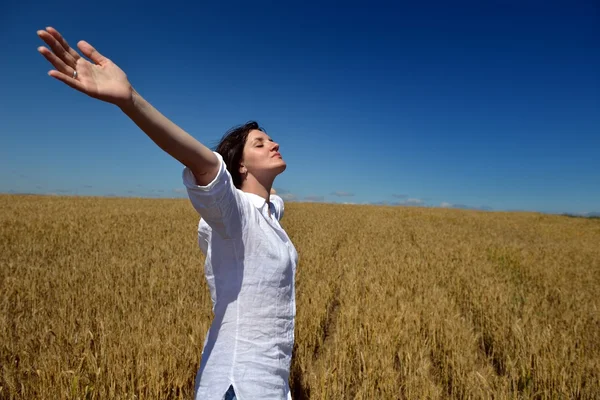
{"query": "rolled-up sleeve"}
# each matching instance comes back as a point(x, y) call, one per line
point(278, 205)
point(218, 203)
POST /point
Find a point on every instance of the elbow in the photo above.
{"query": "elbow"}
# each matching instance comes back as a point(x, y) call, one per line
point(205, 175)
point(204, 171)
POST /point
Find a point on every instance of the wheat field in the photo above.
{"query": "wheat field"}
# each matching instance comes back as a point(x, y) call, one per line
point(105, 298)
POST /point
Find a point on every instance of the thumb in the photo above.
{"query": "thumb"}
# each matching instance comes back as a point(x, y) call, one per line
point(90, 52)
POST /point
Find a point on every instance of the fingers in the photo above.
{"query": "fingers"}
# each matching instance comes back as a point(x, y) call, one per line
point(63, 43)
point(57, 48)
point(90, 52)
point(74, 83)
point(56, 62)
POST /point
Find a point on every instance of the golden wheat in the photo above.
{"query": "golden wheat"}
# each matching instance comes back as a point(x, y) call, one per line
point(105, 298)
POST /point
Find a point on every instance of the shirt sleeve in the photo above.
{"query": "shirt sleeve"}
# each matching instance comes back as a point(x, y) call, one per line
point(219, 203)
point(278, 205)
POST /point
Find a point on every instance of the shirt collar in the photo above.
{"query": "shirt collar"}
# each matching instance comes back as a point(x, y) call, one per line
point(258, 201)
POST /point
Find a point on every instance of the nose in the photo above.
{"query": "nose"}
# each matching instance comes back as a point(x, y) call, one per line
point(275, 146)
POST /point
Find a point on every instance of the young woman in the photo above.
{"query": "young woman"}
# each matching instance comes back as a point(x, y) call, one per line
point(250, 261)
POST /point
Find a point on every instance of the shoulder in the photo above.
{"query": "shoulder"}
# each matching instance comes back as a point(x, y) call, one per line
point(278, 204)
point(219, 203)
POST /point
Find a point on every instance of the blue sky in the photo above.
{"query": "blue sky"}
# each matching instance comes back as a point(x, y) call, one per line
point(491, 105)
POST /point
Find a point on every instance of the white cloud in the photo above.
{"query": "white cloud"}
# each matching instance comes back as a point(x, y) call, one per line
point(314, 198)
point(287, 196)
point(340, 193)
point(465, 207)
point(413, 202)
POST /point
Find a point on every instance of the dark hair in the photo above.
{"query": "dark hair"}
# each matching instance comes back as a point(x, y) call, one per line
point(231, 148)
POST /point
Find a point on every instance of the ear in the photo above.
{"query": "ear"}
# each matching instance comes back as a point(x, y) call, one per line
point(243, 169)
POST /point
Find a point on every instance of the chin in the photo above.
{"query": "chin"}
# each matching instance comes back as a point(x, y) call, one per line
point(275, 168)
point(281, 167)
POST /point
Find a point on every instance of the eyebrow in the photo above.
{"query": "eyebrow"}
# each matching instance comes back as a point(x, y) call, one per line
point(260, 139)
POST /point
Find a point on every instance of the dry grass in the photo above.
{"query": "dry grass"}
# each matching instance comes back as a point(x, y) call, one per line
point(105, 298)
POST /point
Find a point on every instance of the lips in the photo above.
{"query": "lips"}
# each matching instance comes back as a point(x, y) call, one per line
point(276, 155)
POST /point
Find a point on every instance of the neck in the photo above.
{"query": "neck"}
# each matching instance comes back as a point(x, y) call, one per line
point(255, 186)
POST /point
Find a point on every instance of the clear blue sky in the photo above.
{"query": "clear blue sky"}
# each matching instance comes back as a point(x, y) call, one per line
point(494, 106)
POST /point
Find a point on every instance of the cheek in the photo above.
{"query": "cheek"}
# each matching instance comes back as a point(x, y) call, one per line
point(257, 155)
point(252, 157)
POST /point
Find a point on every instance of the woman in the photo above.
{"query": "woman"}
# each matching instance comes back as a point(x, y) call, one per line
point(250, 261)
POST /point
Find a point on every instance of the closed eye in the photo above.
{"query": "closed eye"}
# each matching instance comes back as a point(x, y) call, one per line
point(259, 142)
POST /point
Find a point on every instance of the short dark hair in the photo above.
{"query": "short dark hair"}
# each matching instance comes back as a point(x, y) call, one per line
point(231, 148)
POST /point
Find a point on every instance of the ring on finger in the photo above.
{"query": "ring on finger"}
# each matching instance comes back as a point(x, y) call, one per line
point(74, 74)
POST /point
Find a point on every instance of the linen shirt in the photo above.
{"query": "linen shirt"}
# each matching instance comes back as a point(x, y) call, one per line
point(250, 269)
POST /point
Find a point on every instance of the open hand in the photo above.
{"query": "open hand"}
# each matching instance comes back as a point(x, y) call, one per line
point(100, 79)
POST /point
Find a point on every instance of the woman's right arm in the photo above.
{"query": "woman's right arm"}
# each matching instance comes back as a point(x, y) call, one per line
point(172, 139)
point(104, 80)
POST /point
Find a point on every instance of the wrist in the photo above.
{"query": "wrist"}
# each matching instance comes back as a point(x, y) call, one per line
point(129, 104)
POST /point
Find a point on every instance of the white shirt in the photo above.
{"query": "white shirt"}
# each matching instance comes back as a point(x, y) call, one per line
point(250, 270)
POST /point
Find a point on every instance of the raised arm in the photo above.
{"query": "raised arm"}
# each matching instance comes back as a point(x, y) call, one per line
point(104, 80)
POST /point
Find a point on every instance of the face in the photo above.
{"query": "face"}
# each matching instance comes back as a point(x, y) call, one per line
point(261, 156)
